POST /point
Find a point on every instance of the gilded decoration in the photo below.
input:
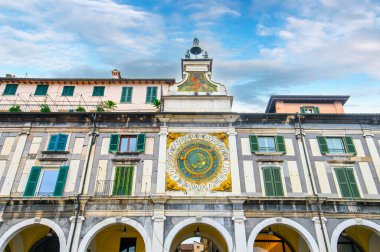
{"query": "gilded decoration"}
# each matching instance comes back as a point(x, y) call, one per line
point(198, 162)
point(197, 82)
point(222, 137)
point(171, 137)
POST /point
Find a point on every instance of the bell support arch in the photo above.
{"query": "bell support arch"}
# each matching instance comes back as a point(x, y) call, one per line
point(14, 230)
point(279, 220)
point(349, 223)
point(177, 228)
point(111, 221)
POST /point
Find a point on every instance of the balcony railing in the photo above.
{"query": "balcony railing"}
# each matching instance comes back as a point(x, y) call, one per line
point(104, 187)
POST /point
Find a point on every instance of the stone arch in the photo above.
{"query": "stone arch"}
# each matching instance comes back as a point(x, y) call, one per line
point(348, 223)
point(110, 221)
point(222, 230)
point(14, 230)
point(288, 222)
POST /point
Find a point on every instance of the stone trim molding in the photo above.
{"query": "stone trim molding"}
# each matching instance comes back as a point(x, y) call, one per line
point(110, 221)
point(177, 228)
point(310, 241)
point(16, 229)
point(348, 223)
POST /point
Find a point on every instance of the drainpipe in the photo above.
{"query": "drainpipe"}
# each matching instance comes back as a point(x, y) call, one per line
point(93, 135)
point(312, 182)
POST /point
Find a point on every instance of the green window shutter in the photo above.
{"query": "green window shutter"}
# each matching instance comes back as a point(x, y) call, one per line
point(123, 181)
point(34, 175)
point(280, 144)
point(68, 91)
point(114, 143)
point(302, 109)
point(116, 182)
point(343, 182)
point(52, 142)
point(129, 181)
point(349, 144)
point(98, 91)
point(323, 144)
point(154, 94)
point(268, 181)
point(126, 94)
point(254, 143)
point(140, 142)
point(352, 182)
point(316, 110)
point(61, 181)
point(129, 94)
point(61, 142)
point(41, 90)
point(277, 181)
point(10, 89)
point(148, 95)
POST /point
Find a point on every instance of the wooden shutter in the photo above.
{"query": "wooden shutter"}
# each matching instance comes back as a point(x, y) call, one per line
point(277, 181)
point(129, 94)
point(10, 89)
point(140, 142)
point(68, 91)
point(302, 109)
point(123, 94)
point(254, 143)
point(343, 182)
point(316, 110)
point(352, 182)
point(34, 175)
point(148, 94)
point(61, 181)
point(129, 181)
point(154, 94)
point(41, 90)
point(114, 143)
point(280, 144)
point(52, 142)
point(116, 181)
point(61, 142)
point(349, 145)
point(268, 181)
point(323, 144)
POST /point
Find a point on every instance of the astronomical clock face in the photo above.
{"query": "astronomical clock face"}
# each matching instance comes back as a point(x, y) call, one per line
point(198, 162)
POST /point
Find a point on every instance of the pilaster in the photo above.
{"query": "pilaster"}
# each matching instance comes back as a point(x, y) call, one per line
point(161, 172)
point(319, 232)
point(78, 229)
point(368, 135)
point(235, 173)
point(239, 219)
point(158, 223)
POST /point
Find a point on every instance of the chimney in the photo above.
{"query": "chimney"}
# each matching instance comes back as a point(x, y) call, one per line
point(10, 76)
point(116, 74)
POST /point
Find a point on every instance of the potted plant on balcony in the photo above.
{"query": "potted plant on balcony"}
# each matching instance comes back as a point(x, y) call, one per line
point(45, 108)
point(80, 109)
point(157, 104)
point(109, 105)
point(15, 108)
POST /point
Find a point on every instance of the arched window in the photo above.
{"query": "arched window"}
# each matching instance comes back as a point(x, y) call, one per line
point(346, 244)
point(49, 243)
point(271, 242)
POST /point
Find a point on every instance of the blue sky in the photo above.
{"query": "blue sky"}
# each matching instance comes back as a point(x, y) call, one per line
point(259, 47)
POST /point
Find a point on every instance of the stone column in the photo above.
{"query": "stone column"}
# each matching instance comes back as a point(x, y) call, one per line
point(161, 168)
point(239, 224)
point(318, 231)
point(373, 151)
point(235, 173)
point(158, 224)
point(14, 165)
point(78, 229)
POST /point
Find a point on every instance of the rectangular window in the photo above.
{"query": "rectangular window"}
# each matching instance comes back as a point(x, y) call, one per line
point(267, 143)
point(309, 110)
point(68, 90)
point(336, 145)
point(98, 91)
point(41, 90)
point(46, 182)
point(126, 95)
point(123, 181)
point(151, 94)
point(273, 181)
point(57, 142)
point(10, 89)
point(347, 182)
point(127, 143)
point(127, 245)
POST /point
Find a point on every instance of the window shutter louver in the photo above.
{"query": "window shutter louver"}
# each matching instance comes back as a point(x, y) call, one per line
point(154, 94)
point(34, 175)
point(140, 142)
point(114, 143)
point(52, 142)
point(316, 110)
point(129, 181)
point(352, 182)
point(61, 181)
point(41, 90)
point(123, 94)
point(148, 97)
point(343, 182)
point(280, 144)
point(279, 191)
point(323, 144)
point(129, 94)
point(302, 109)
point(349, 144)
point(10, 89)
point(254, 143)
point(61, 142)
point(116, 182)
point(268, 181)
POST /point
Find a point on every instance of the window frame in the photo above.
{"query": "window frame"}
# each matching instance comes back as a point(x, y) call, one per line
point(262, 166)
point(347, 142)
point(129, 137)
point(10, 85)
point(129, 94)
point(59, 135)
point(266, 148)
point(151, 100)
point(279, 145)
point(96, 94)
point(333, 149)
point(315, 109)
point(40, 86)
point(39, 183)
point(337, 184)
point(133, 177)
point(65, 87)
